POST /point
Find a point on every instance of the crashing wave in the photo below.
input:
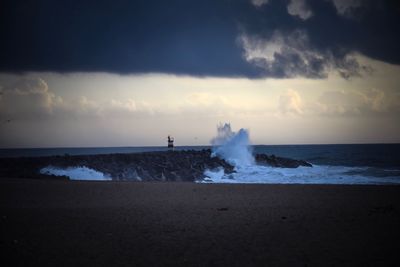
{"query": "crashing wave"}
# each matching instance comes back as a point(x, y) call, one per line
point(76, 173)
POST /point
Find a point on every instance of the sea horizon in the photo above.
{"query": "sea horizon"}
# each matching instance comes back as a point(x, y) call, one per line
point(202, 145)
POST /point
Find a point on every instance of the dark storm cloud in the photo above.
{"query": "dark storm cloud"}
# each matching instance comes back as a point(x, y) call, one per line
point(319, 36)
point(197, 37)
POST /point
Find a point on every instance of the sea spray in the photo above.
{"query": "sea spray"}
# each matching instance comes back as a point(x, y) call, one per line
point(232, 147)
point(76, 173)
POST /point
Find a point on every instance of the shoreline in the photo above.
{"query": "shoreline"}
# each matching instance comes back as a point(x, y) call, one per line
point(181, 223)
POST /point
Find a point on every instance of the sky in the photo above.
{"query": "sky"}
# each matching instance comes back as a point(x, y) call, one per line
point(128, 73)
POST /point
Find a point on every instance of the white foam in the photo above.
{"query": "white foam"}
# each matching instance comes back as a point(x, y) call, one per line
point(301, 175)
point(76, 173)
point(214, 175)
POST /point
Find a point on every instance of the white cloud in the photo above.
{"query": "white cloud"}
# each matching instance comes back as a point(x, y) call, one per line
point(259, 3)
point(352, 102)
point(128, 107)
point(346, 7)
point(300, 9)
point(288, 55)
point(111, 109)
point(207, 104)
point(205, 99)
point(290, 102)
point(376, 100)
point(285, 55)
point(257, 48)
point(337, 103)
point(28, 97)
point(85, 106)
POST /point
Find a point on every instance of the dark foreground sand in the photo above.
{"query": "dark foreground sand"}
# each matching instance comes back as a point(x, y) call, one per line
point(172, 224)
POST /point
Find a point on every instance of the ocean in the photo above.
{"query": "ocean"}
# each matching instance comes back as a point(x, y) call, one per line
point(332, 164)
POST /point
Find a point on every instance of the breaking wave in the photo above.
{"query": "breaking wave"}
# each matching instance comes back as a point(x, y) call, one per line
point(318, 174)
point(76, 173)
point(234, 147)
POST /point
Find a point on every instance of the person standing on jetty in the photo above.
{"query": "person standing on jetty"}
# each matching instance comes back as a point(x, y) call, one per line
point(170, 142)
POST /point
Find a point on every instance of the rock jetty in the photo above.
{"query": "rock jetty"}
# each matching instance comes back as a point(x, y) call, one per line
point(187, 165)
point(273, 161)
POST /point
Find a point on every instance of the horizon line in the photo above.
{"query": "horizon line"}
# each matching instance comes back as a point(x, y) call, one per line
point(209, 145)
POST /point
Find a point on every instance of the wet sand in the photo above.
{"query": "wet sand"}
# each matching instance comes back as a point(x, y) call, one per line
point(69, 223)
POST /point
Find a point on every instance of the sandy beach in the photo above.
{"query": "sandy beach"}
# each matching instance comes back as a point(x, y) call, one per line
point(70, 223)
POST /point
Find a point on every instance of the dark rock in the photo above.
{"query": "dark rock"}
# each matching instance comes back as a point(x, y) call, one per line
point(275, 161)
